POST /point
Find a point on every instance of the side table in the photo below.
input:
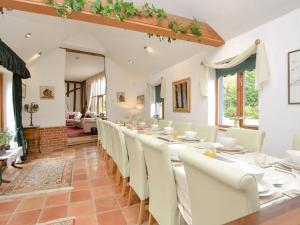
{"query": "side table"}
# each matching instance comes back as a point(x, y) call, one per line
point(32, 136)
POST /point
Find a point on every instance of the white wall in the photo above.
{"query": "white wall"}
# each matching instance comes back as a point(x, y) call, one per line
point(188, 68)
point(48, 70)
point(279, 120)
point(118, 80)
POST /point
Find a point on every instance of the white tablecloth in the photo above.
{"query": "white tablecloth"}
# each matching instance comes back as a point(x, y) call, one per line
point(12, 155)
point(271, 176)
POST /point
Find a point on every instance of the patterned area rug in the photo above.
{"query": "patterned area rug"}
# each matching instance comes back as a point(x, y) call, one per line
point(44, 175)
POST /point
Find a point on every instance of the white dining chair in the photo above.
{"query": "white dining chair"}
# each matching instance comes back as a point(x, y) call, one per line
point(101, 137)
point(165, 123)
point(180, 127)
point(121, 155)
point(208, 133)
point(162, 187)
point(296, 142)
point(137, 171)
point(111, 147)
point(218, 193)
point(150, 121)
point(251, 140)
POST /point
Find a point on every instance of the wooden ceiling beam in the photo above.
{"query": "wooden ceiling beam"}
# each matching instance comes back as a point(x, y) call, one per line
point(138, 23)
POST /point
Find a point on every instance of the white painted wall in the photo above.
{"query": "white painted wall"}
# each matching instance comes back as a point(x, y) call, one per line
point(118, 80)
point(188, 68)
point(48, 70)
point(279, 120)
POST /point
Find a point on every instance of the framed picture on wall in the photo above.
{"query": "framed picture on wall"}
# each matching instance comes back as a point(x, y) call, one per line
point(120, 96)
point(47, 92)
point(294, 77)
point(23, 90)
point(140, 99)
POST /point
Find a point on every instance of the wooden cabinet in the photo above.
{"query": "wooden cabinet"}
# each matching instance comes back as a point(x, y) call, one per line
point(32, 136)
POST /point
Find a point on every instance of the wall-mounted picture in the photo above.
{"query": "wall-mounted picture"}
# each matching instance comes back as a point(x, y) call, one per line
point(140, 99)
point(120, 96)
point(47, 92)
point(23, 90)
point(294, 77)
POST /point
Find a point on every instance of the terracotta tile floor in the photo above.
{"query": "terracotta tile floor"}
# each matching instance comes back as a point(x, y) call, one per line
point(95, 200)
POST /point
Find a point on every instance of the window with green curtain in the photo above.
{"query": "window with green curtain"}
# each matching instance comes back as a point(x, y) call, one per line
point(247, 65)
point(158, 99)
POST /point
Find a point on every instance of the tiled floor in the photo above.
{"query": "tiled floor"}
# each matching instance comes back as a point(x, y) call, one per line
point(95, 200)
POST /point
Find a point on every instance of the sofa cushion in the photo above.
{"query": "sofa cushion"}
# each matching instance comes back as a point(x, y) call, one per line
point(71, 116)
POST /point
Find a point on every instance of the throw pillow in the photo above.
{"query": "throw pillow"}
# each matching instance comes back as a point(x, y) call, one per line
point(71, 116)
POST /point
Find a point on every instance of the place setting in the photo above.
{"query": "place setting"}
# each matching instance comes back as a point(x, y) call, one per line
point(229, 145)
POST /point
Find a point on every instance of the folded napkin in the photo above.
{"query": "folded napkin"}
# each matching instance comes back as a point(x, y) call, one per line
point(267, 199)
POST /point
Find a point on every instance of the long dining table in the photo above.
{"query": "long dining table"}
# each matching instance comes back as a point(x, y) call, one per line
point(284, 184)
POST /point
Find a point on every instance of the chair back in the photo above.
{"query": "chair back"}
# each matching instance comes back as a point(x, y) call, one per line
point(120, 150)
point(108, 137)
point(208, 133)
point(162, 186)
point(165, 123)
point(251, 140)
point(218, 193)
point(102, 133)
point(98, 129)
point(180, 127)
point(137, 166)
point(296, 142)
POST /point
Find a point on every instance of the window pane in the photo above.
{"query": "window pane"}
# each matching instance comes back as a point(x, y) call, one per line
point(250, 100)
point(227, 100)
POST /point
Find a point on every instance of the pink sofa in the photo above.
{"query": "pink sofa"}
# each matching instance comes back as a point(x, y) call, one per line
point(86, 123)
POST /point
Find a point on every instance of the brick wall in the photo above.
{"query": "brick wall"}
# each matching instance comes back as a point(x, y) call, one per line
point(53, 138)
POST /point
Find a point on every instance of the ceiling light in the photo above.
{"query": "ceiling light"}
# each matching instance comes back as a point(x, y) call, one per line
point(39, 54)
point(34, 57)
point(28, 35)
point(147, 49)
point(130, 61)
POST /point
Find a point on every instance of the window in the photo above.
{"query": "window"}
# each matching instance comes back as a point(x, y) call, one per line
point(98, 94)
point(237, 100)
point(157, 108)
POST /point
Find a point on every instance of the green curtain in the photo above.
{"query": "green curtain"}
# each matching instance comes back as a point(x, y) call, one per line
point(247, 65)
point(158, 99)
point(12, 62)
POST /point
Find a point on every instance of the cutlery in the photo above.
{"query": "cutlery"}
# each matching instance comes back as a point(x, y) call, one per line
point(284, 171)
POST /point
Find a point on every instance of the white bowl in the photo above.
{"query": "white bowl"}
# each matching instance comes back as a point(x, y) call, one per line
point(190, 134)
point(228, 142)
point(154, 126)
point(294, 157)
point(168, 130)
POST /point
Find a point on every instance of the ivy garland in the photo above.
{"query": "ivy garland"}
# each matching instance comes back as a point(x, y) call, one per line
point(122, 10)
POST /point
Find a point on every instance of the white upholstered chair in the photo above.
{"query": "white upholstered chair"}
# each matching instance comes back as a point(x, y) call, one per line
point(251, 140)
point(296, 142)
point(101, 136)
point(218, 192)
point(165, 123)
point(180, 127)
point(150, 121)
point(137, 171)
point(208, 133)
point(162, 187)
point(121, 155)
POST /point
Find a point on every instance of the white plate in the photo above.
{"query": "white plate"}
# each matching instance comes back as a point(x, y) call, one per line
point(287, 163)
point(270, 192)
point(235, 148)
point(262, 188)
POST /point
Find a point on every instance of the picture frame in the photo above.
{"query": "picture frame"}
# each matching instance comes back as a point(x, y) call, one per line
point(121, 96)
point(182, 95)
point(47, 92)
point(294, 77)
point(140, 100)
point(23, 90)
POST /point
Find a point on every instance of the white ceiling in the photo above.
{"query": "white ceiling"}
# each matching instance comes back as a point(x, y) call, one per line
point(229, 18)
point(79, 67)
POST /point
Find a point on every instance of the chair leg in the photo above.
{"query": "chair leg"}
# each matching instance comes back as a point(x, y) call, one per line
point(151, 219)
point(124, 183)
point(142, 212)
point(130, 194)
point(118, 177)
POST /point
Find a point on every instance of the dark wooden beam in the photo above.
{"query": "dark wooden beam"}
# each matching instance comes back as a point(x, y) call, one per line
point(74, 99)
point(138, 23)
point(83, 52)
